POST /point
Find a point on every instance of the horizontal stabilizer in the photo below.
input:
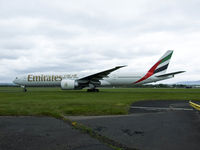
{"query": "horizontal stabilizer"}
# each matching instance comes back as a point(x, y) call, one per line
point(172, 73)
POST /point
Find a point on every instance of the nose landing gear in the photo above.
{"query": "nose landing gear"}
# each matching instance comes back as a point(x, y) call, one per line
point(24, 88)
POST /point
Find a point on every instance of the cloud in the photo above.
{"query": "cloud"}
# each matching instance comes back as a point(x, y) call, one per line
point(63, 35)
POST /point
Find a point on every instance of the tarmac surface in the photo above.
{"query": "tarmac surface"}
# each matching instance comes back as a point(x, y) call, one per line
point(148, 129)
point(43, 133)
point(151, 125)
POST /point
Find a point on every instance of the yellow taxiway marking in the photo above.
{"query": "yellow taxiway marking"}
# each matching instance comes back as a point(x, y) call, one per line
point(194, 105)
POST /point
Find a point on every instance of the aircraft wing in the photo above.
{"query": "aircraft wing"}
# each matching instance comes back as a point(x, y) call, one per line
point(100, 75)
point(168, 74)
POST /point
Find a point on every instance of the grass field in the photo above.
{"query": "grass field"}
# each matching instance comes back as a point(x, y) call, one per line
point(55, 102)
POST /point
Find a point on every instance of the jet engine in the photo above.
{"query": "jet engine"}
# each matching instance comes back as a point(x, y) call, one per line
point(69, 84)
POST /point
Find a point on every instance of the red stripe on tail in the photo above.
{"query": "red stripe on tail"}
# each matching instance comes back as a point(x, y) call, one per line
point(149, 73)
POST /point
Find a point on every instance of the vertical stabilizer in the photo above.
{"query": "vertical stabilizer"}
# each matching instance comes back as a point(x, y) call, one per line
point(160, 67)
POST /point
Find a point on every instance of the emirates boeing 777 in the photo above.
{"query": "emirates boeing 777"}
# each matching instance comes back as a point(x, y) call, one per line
point(104, 78)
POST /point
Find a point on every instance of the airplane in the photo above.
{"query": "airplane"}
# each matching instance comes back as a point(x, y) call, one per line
point(100, 79)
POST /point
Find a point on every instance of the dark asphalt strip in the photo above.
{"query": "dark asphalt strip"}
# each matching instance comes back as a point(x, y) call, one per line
point(43, 133)
point(155, 129)
point(96, 135)
point(152, 130)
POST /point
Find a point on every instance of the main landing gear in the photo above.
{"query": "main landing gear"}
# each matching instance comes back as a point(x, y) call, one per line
point(92, 90)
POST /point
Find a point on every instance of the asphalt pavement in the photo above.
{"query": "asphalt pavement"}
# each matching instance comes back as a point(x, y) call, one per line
point(43, 133)
point(155, 129)
point(151, 125)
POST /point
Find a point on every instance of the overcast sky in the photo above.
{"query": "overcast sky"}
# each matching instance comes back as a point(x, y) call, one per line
point(93, 35)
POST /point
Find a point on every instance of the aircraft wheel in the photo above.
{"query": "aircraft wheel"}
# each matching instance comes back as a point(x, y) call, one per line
point(92, 90)
point(96, 90)
point(88, 90)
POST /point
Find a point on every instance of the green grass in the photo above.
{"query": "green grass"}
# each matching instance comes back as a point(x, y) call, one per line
point(55, 102)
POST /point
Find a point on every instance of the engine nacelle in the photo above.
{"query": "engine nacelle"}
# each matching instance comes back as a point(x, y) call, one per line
point(68, 84)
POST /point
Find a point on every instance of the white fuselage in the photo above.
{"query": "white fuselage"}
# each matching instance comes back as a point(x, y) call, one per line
point(109, 77)
point(51, 80)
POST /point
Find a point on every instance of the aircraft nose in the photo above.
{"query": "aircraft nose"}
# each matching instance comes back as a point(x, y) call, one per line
point(15, 80)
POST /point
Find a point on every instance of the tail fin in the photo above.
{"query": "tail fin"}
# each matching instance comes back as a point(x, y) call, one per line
point(158, 68)
point(162, 64)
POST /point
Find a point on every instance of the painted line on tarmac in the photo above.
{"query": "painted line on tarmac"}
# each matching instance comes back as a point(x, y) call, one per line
point(194, 105)
point(160, 108)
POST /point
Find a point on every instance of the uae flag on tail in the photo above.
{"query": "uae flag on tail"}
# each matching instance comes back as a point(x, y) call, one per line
point(163, 62)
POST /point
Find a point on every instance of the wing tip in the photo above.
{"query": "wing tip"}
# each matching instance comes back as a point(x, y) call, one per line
point(182, 71)
point(121, 66)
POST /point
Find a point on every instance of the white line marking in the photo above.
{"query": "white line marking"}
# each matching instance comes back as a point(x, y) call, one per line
point(160, 108)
